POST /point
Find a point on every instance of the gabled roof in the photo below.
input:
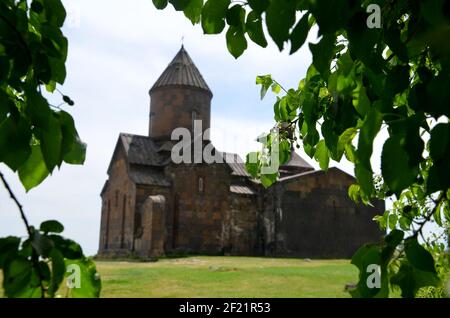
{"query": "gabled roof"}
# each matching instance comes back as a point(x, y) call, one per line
point(144, 160)
point(142, 150)
point(315, 172)
point(242, 189)
point(234, 161)
point(182, 72)
point(148, 176)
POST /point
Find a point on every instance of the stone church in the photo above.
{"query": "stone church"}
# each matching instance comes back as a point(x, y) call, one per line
point(152, 206)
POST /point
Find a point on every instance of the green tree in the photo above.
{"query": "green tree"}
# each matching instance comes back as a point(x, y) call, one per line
point(35, 138)
point(365, 76)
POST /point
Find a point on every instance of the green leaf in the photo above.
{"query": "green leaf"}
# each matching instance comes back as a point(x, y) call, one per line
point(299, 33)
point(363, 168)
point(236, 42)
point(350, 153)
point(213, 16)
point(360, 100)
point(90, 283)
point(193, 11)
point(58, 70)
point(69, 249)
point(268, 179)
point(41, 244)
point(404, 223)
point(440, 142)
point(252, 167)
point(51, 226)
point(345, 139)
point(55, 12)
point(397, 80)
point(58, 271)
point(38, 109)
point(330, 15)
point(34, 170)
point(393, 40)
point(15, 135)
point(17, 278)
point(365, 256)
point(180, 5)
point(160, 4)
point(254, 29)
point(51, 139)
point(236, 16)
point(394, 238)
point(280, 17)
point(77, 154)
point(259, 6)
point(322, 155)
point(8, 249)
point(410, 280)
point(353, 192)
point(276, 88)
point(36, 6)
point(265, 81)
point(284, 151)
point(394, 165)
point(323, 52)
point(418, 256)
point(392, 221)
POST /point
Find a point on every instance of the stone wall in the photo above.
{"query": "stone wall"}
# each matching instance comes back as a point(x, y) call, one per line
point(151, 241)
point(172, 107)
point(313, 217)
point(198, 213)
point(241, 225)
point(118, 202)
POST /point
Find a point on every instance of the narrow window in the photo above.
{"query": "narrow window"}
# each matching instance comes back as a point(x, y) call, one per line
point(108, 211)
point(152, 115)
point(201, 185)
point(116, 203)
point(124, 210)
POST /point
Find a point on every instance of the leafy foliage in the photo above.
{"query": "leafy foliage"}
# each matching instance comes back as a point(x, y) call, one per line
point(35, 138)
point(362, 79)
point(36, 266)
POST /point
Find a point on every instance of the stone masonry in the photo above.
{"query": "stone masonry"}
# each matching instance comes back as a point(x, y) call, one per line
point(152, 206)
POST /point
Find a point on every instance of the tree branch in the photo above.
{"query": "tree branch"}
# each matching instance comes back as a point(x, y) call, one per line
point(19, 206)
point(35, 257)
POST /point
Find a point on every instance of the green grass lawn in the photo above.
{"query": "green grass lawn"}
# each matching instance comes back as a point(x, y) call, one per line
point(227, 277)
point(203, 276)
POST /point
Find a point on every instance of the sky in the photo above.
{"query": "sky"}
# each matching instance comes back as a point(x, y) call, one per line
point(117, 50)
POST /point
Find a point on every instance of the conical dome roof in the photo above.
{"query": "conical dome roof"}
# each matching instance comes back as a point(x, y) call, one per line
point(181, 72)
point(297, 161)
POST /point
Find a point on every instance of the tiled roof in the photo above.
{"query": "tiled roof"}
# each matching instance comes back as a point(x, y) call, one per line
point(148, 176)
point(239, 189)
point(181, 71)
point(143, 151)
point(235, 163)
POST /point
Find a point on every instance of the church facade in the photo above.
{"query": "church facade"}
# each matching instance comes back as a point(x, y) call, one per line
point(152, 206)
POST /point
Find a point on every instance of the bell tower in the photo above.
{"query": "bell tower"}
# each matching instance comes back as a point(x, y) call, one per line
point(178, 97)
